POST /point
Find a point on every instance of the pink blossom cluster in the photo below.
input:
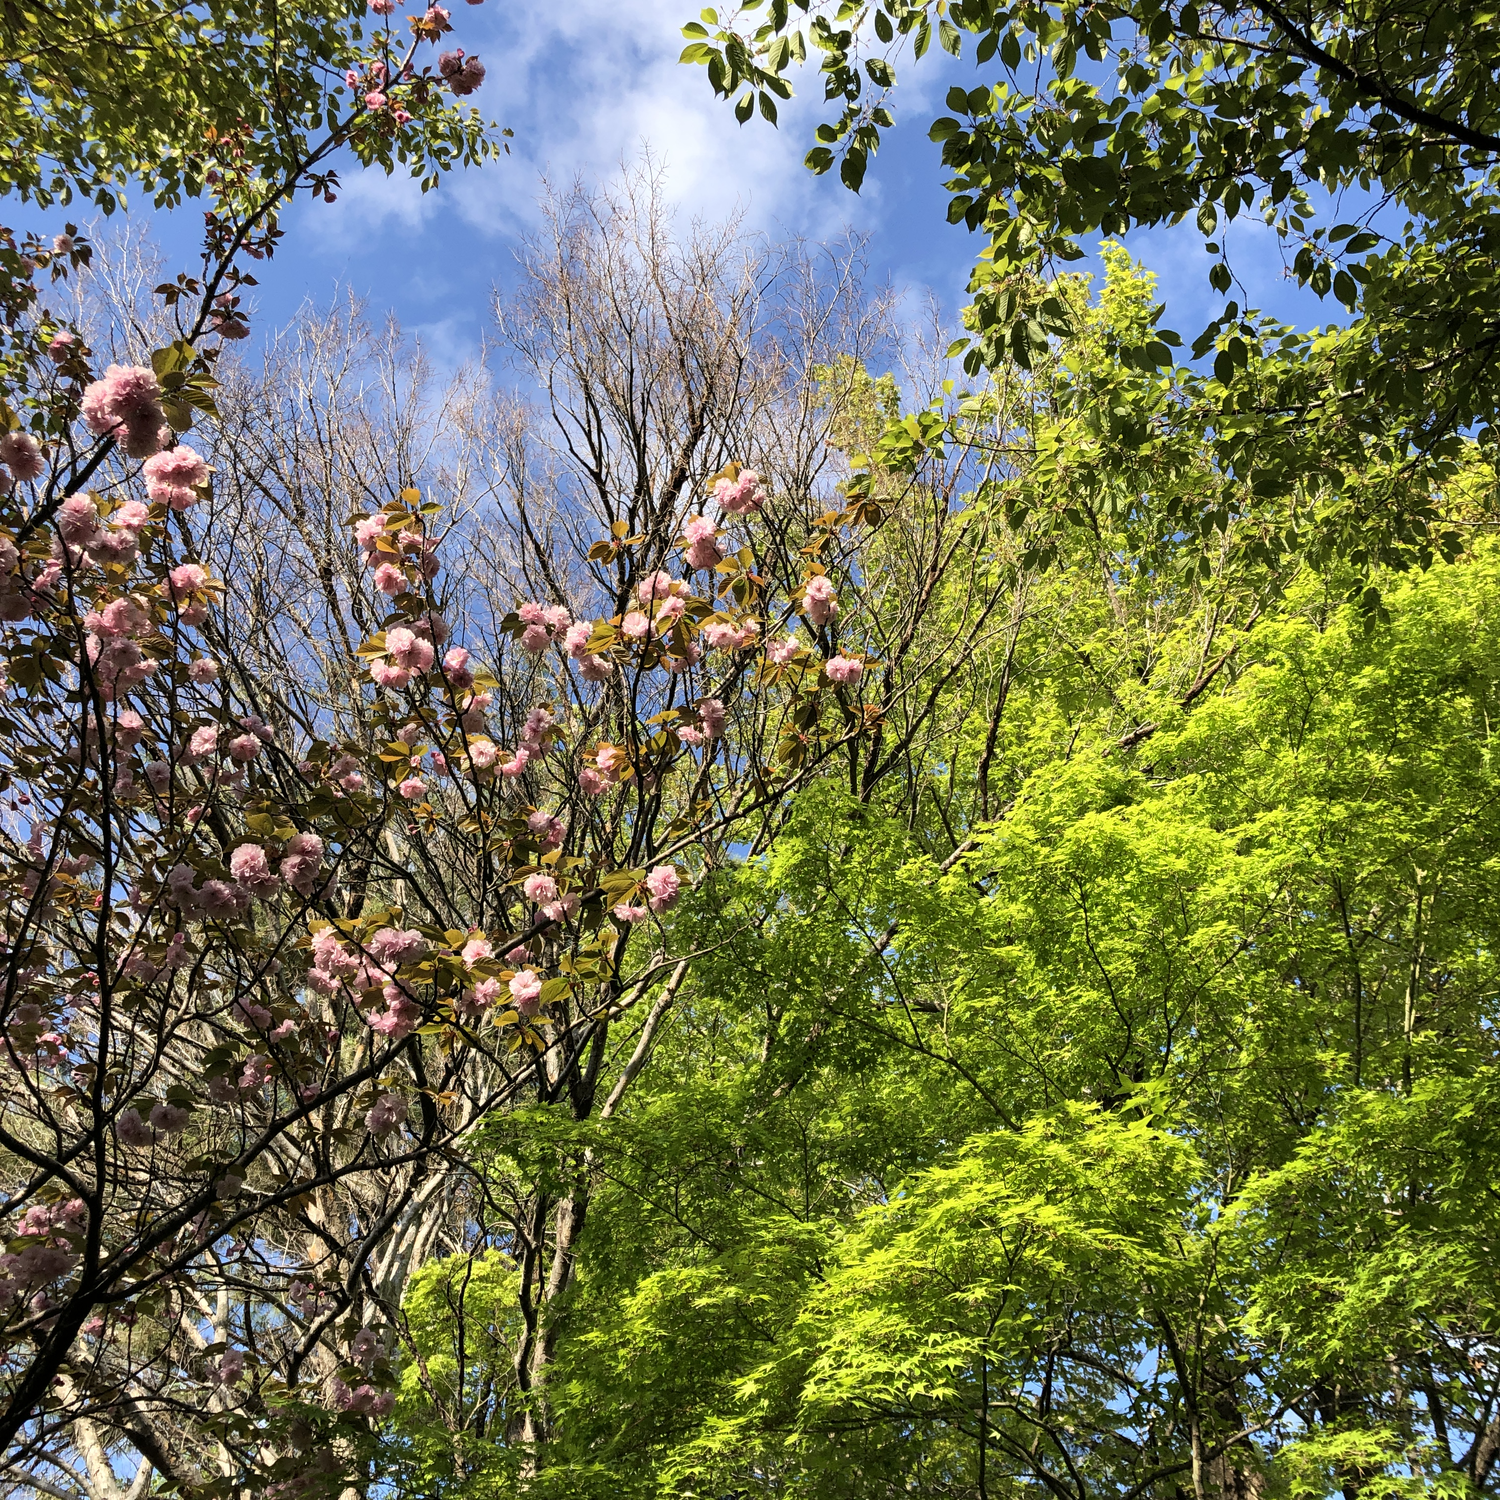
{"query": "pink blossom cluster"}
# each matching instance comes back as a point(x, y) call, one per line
point(249, 865)
point(664, 601)
point(387, 1115)
point(113, 646)
point(175, 476)
point(21, 458)
point(700, 543)
point(740, 496)
point(545, 828)
point(712, 716)
point(33, 1268)
point(662, 887)
point(84, 533)
point(365, 1399)
point(464, 74)
point(163, 1119)
point(611, 766)
point(819, 603)
point(730, 635)
point(406, 549)
point(544, 623)
point(590, 667)
point(126, 405)
point(411, 651)
point(369, 973)
point(18, 597)
point(844, 670)
point(556, 904)
point(526, 991)
point(537, 734)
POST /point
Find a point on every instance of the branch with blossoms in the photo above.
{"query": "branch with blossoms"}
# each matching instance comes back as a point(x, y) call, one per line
point(398, 113)
point(261, 984)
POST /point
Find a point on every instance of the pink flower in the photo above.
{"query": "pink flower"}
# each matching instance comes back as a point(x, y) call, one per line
point(384, 674)
point(475, 1001)
point(456, 668)
point(591, 783)
point(389, 579)
point(126, 405)
point(781, 652)
point(375, 100)
point(368, 533)
point(382, 7)
point(61, 346)
point(818, 601)
point(663, 885)
point(168, 1118)
point(205, 669)
point(483, 754)
point(78, 520)
point(231, 1367)
point(711, 715)
point(256, 1073)
point(250, 866)
point(526, 991)
point(202, 743)
point(413, 789)
point(120, 617)
point(595, 668)
point(304, 858)
point(689, 736)
point(476, 951)
point(704, 553)
point(635, 626)
point(389, 1114)
point(726, 635)
point(656, 585)
point(401, 1016)
point(173, 477)
point(844, 669)
point(464, 74)
point(244, 748)
point(742, 495)
point(186, 579)
point(393, 946)
point(408, 649)
point(540, 888)
point(545, 828)
point(133, 1131)
point(613, 761)
point(535, 638)
point(23, 455)
point(517, 763)
point(627, 913)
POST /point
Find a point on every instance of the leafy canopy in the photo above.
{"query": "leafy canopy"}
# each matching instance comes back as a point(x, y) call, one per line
point(1364, 136)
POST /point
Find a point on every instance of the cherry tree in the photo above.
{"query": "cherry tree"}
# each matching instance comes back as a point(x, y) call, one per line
point(264, 979)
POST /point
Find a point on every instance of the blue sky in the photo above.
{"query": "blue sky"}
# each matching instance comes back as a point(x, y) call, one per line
point(589, 84)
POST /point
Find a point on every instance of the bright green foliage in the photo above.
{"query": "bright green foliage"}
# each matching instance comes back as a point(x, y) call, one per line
point(1367, 137)
point(1148, 1147)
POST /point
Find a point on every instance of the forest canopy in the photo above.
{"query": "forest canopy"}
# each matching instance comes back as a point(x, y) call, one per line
point(739, 898)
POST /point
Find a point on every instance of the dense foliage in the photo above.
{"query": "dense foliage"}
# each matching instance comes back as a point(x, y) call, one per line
point(1103, 1107)
point(1366, 137)
point(709, 936)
